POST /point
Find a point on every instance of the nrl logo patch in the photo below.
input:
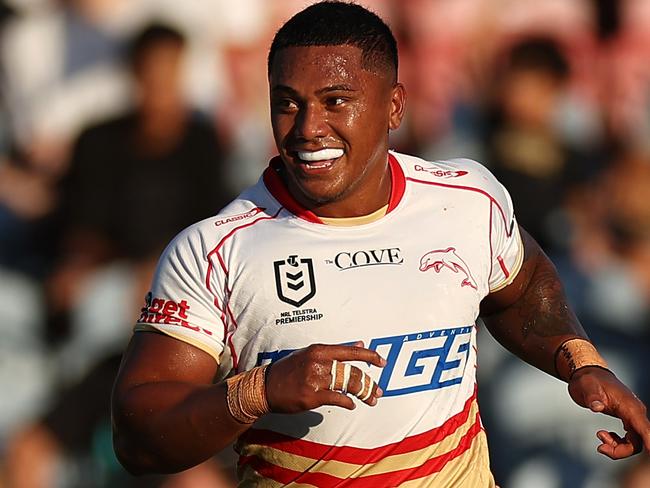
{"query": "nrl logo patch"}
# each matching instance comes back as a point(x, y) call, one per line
point(294, 280)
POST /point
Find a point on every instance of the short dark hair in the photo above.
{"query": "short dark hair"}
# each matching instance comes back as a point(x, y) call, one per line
point(335, 23)
point(151, 35)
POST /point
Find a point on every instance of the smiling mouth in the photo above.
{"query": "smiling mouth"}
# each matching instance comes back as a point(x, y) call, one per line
point(321, 159)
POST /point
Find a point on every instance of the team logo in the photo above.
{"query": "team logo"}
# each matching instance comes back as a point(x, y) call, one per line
point(442, 259)
point(371, 257)
point(294, 280)
point(440, 172)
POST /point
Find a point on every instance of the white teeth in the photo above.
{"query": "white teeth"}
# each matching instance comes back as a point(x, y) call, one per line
point(322, 155)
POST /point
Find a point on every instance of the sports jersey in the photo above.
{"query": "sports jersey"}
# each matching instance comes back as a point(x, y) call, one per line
point(266, 277)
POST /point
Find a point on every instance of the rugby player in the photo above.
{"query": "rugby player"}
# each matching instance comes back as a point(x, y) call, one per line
point(325, 319)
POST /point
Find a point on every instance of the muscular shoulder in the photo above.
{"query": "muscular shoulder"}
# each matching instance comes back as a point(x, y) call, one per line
point(459, 173)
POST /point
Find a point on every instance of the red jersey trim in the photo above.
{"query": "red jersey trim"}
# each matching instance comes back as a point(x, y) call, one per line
point(469, 188)
point(280, 192)
point(225, 307)
point(353, 455)
point(506, 273)
point(398, 182)
point(393, 478)
point(493, 203)
point(278, 189)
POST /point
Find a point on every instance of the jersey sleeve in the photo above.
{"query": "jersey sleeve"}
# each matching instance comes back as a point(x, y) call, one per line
point(505, 240)
point(506, 247)
point(179, 303)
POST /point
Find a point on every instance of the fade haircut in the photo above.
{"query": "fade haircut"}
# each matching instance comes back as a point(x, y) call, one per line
point(335, 23)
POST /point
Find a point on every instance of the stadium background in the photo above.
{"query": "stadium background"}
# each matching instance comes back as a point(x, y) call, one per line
point(553, 96)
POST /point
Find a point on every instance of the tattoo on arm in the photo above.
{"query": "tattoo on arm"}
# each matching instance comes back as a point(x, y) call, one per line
point(543, 308)
point(531, 317)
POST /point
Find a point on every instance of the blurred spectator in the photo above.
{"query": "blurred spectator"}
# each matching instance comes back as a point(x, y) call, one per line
point(77, 44)
point(525, 145)
point(134, 182)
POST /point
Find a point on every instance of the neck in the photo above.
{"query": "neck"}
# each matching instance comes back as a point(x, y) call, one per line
point(358, 204)
point(366, 195)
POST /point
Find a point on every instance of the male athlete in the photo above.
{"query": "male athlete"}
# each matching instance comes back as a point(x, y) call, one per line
point(326, 318)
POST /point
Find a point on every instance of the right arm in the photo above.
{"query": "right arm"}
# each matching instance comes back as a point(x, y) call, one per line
point(168, 415)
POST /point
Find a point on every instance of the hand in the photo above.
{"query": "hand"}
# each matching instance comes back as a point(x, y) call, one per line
point(301, 381)
point(601, 391)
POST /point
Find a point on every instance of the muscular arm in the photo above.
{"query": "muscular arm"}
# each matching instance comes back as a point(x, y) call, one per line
point(167, 413)
point(531, 316)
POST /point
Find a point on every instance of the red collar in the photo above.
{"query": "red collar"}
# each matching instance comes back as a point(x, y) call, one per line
point(279, 190)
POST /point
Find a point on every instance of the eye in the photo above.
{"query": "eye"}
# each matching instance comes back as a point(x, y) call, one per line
point(285, 105)
point(335, 101)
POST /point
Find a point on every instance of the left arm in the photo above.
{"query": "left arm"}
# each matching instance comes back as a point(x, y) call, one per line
point(532, 319)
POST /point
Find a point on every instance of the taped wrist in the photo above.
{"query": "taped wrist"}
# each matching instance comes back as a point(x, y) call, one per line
point(246, 395)
point(575, 354)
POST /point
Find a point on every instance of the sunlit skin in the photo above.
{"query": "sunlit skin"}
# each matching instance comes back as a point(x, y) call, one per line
point(323, 97)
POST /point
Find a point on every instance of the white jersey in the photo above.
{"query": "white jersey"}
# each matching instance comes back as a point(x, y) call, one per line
point(266, 277)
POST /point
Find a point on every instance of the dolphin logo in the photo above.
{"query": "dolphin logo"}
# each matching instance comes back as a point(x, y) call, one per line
point(447, 258)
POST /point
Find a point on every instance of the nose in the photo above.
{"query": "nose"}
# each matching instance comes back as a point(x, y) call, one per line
point(310, 123)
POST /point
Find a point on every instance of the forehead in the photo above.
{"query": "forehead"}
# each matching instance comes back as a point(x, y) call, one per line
point(321, 65)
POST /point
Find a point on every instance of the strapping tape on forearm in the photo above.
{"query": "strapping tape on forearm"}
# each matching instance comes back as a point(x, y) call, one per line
point(574, 354)
point(246, 396)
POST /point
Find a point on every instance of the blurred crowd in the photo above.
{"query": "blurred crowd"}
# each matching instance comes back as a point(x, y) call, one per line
point(123, 121)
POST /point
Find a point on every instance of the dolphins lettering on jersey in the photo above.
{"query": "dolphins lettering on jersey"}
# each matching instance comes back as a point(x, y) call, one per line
point(427, 360)
point(448, 259)
point(441, 172)
point(238, 217)
point(371, 257)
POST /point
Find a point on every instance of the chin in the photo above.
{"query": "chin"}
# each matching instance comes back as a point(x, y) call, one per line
point(320, 198)
point(323, 194)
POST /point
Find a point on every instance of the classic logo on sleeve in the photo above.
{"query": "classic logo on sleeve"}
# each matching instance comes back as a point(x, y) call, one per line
point(238, 217)
point(294, 280)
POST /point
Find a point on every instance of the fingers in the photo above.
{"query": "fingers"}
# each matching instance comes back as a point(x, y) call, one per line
point(638, 427)
point(354, 352)
point(350, 379)
point(330, 397)
point(615, 447)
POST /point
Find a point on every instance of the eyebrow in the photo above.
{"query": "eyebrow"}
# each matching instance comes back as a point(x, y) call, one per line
point(327, 89)
point(333, 88)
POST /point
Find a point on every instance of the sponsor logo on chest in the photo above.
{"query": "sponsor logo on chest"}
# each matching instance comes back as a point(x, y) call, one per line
point(367, 257)
point(415, 362)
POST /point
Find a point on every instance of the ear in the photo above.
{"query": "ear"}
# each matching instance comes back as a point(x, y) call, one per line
point(397, 106)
